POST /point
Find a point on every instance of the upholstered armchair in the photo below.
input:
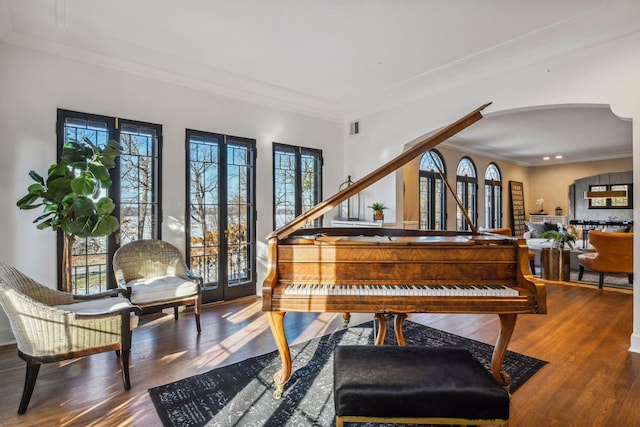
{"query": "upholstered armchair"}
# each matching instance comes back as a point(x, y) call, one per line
point(155, 276)
point(507, 232)
point(50, 326)
point(614, 254)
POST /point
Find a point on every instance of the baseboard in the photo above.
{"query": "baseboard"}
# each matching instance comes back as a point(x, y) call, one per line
point(635, 343)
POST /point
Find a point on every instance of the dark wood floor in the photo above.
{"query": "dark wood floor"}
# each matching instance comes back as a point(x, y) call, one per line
point(592, 379)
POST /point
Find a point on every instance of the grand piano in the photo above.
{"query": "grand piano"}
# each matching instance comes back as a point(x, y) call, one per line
point(395, 271)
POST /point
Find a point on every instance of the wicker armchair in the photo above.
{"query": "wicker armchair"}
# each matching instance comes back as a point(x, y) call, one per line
point(156, 276)
point(50, 325)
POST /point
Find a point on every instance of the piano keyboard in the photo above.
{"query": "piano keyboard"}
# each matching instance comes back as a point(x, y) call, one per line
point(402, 290)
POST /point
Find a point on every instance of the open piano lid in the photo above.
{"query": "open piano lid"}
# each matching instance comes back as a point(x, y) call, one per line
point(404, 158)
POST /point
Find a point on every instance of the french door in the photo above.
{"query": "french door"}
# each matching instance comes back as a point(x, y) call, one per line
point(221, 214)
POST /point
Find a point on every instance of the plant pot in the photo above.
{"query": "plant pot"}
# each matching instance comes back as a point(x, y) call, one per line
point(378, 215)
point(555, 264)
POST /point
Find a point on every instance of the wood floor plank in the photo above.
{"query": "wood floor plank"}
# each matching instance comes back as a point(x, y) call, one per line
point(591, 379)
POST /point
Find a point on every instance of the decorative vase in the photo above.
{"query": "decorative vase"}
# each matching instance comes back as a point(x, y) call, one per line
point(378, 215)
point(349, 209)
point(555, 264)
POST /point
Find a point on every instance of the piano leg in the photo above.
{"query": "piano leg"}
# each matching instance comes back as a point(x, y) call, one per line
point(397, 325)
point(382, 328)
point(507, 325)
point(347, 318)
point(276, 323)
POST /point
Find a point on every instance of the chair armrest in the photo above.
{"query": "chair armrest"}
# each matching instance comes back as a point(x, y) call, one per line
point(122, 285)
point(193, 277)
point(110, 293)
point(110, 313)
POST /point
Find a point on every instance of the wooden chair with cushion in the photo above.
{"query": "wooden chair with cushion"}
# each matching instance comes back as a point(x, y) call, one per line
point(50, 326)
point(507, 232)
point(155, 276)
point(614, 254)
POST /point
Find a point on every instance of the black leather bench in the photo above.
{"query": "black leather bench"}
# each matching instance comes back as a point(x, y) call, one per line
point(415, 385)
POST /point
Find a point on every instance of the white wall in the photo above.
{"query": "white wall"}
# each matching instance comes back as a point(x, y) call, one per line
point(607, 74)
point(33, 85)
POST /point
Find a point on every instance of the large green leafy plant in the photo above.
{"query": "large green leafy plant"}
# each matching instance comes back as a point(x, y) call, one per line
point(73, 196)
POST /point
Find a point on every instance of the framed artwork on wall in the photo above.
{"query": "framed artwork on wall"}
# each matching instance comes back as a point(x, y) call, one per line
point(613, 196)
point(516, 194)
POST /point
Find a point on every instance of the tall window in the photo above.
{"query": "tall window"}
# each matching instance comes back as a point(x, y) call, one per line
point(135, 192)
point(432, 192)
point(297, 182)
point(492, 197)
point(467, 191)
point(139, 179)
point(221, 213)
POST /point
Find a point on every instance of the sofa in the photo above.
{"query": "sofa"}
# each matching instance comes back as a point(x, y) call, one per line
point(581, 245)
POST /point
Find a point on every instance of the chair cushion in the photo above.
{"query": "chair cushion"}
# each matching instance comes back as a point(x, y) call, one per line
point(161, 288)
point(535, 228)
point(99, 305)
point(415, 382)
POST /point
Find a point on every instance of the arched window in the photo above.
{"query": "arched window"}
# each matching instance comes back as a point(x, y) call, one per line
point(467, 190)
point(492, 197)
point(432, 192)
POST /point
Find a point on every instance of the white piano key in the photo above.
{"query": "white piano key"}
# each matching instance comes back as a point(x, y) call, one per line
point(402, 290)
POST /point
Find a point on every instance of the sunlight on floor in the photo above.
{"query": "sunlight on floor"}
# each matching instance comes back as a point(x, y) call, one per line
point(173, 356)
point(80, 415)
point(244, 314)
point(223, 350)
point(228, 346)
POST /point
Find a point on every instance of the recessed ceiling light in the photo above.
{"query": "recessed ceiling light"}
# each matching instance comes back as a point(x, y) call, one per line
point(558, 157)
point(546, 158)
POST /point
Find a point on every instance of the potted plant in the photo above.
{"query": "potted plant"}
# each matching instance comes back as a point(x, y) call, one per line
point(378, 208)
point(73, 196)
point(556, 259)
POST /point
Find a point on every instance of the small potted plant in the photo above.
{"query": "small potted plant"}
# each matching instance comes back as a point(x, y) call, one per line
point(556, 259)
point(378, 208)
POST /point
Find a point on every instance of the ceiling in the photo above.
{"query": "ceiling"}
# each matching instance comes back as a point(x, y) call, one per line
point(345, 59)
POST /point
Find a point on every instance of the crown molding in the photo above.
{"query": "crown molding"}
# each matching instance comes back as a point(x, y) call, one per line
point(209, 80)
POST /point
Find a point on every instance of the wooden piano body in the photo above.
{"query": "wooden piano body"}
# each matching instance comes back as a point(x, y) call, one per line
point(365, 258)
point(394, 271)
